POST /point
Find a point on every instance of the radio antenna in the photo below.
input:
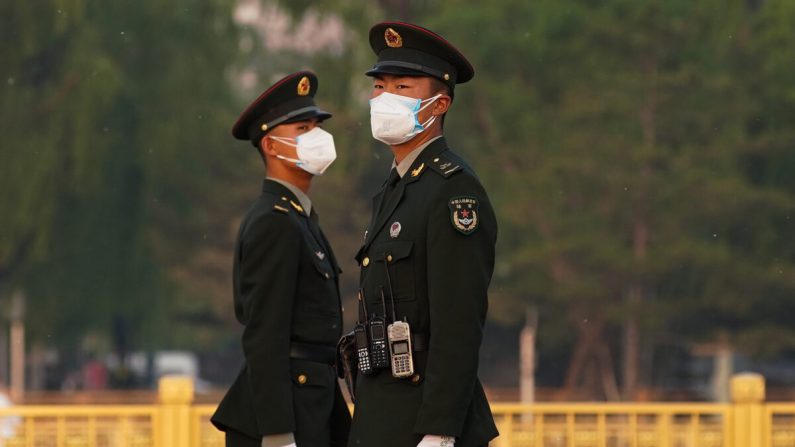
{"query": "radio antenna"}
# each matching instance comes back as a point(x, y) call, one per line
point(393, 304)
point(362, 306)
point(389, 283)
point(383, 304)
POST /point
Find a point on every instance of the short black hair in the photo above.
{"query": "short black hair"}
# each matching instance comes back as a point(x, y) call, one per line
point(440, 86)
point(261, 150)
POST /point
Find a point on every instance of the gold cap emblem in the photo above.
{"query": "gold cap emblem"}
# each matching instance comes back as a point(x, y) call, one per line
point(393, 39)
point(304, 86)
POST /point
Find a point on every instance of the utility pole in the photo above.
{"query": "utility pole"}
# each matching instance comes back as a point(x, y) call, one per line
point(17, 348)
point(527, 365)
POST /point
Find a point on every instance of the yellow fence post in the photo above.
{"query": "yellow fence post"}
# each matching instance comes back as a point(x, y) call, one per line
point(748, 396)
point(176, 397)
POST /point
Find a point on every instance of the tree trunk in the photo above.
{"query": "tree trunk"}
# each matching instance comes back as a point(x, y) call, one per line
point(608, 373)
point(631, 350)
point(640, 236)
point(588, 340)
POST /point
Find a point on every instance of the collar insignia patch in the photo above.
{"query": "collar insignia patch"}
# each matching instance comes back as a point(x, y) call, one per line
point(297, 206)
point(418, 171)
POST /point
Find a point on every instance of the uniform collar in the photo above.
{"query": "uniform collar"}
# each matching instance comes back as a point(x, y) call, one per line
point(405, 164)
point(387, 205)
point(303, 199)
point(290, 191)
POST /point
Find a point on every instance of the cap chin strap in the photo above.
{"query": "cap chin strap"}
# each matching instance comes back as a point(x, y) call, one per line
point(291, 114)
point(412, 66)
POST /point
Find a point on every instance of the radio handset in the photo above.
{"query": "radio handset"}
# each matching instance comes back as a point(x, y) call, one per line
point(379, 352)
point(400, 349)
point(399, 334)
point(361, 339)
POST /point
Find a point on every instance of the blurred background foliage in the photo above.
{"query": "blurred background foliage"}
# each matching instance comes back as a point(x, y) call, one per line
point(639, 155)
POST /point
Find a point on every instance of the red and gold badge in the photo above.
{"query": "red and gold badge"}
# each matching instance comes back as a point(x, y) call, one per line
point(304, 86)
point(393, 39)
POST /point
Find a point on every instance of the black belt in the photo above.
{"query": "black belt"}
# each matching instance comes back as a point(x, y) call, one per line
point(313, 352)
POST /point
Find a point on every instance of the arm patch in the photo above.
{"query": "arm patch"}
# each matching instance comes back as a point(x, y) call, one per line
point(464, 214)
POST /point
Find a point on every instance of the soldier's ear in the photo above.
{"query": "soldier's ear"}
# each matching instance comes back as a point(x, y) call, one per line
point(442, 104)
point(266, 146)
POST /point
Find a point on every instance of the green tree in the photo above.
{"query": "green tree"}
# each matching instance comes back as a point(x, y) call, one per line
point(114, 119)
point(612, 135)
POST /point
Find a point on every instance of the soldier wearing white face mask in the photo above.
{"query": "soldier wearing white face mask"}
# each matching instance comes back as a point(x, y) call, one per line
point(286, 291)
point(429, 248)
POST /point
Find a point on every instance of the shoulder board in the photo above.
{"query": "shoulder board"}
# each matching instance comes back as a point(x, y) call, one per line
point(444, 166)
point(281, 209)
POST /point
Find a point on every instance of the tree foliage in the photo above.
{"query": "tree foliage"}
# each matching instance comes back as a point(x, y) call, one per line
point(638, 154)
point(110, 114)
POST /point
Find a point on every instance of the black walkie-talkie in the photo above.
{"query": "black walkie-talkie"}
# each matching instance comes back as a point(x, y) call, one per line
point(379, 352)
point(361, 339)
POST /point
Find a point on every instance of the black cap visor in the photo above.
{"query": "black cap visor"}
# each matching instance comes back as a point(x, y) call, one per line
point(408, 62)
point(317, 113)
point(298, 109)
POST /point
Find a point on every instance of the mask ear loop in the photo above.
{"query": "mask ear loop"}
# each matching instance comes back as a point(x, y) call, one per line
point(286, 141)
point(429, 101)
point(430, 120)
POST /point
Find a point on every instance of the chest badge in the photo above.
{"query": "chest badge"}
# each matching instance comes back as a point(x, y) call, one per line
point(394, 230)
point(464, 214)
point(320, 255)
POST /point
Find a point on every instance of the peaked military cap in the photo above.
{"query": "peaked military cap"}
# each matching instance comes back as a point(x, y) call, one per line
point(411, 50)
point(289, 100)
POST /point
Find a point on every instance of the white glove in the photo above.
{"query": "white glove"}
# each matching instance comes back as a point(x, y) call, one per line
point(282, 440)
point(437, 441)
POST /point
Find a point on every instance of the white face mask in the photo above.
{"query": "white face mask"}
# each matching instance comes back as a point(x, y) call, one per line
point(393, 118)
point(315, 150)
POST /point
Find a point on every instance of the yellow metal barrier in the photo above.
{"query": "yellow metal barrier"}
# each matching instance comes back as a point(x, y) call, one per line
point(604, 425)
point(176, 422)
point(73, 426)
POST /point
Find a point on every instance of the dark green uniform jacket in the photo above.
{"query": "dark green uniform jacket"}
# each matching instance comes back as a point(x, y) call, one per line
point(285, 292)
point(435, 232)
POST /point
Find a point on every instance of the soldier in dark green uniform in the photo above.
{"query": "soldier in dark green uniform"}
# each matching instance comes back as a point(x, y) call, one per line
point(430, 247)
point(286, 284)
